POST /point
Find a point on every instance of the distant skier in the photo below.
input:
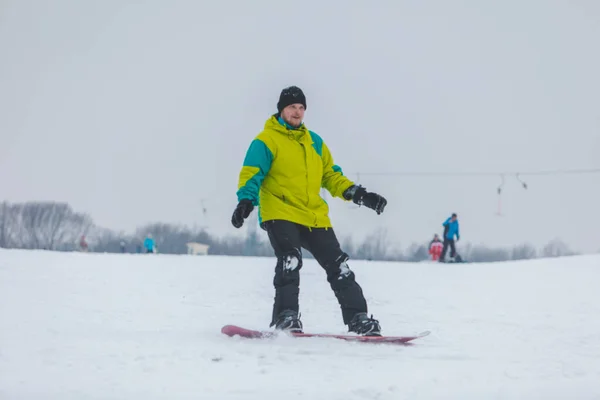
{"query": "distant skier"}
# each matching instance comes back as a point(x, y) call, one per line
point(451, 230)
point(435, 248)
point(149, 244)
point(284, 169)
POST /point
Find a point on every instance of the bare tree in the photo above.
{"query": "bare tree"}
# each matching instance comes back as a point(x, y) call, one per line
point(107, 241)
point(4, 224)
point(417, 252)
point(41, 225)
point(523, 252)
point(63, 225)
point(374, 247)
point(556, 248)
point(481, 253)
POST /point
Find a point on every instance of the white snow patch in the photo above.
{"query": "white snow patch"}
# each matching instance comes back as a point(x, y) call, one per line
point(104, 326)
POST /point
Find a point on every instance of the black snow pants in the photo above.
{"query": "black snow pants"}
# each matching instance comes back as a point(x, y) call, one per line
point(448, 243)
point(287, 239)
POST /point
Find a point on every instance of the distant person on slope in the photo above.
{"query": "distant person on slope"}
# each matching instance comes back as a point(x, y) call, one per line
point(149, 244)
point(83, 244)
point(284, 169)
point(450, 231)
point(435, 248)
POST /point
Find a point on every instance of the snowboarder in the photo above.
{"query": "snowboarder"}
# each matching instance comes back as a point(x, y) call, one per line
point(284, 168)
point(435, 248)
point(450, 231)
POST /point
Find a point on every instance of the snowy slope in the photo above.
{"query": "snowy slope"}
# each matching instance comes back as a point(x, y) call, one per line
point(102, 326)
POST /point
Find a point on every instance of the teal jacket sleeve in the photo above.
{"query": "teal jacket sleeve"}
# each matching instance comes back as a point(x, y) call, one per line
point(257, 164)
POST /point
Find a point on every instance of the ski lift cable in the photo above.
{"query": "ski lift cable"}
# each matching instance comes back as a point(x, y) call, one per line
point(477, 173)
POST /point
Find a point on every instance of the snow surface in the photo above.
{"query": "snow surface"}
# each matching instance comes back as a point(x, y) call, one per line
point(107, 326)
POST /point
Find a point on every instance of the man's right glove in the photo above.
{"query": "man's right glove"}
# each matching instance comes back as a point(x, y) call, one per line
point(360, 196)
point(241, 212)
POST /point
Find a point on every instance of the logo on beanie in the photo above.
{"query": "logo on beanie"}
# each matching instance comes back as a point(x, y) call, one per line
point(291, 95)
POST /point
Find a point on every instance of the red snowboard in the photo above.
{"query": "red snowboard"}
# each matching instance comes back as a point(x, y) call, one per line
point(232, 330)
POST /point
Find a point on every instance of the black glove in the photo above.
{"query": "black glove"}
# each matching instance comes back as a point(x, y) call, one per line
point(360, 196)
point(241, 212)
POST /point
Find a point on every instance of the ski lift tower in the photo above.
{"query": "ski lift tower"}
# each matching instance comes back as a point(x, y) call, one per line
point(203, 226)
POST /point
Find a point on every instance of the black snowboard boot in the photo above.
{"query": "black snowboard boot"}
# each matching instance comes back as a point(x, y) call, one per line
point(364, 326)
point(288, 320)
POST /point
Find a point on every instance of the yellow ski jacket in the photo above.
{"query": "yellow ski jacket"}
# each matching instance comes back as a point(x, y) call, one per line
point(283, 172)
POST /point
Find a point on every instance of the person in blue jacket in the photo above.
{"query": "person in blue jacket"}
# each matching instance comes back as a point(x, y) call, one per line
point(149, 244)
point(451, 230)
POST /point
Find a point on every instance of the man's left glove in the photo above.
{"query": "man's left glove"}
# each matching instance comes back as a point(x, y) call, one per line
point(360, 196)
point(241, 212)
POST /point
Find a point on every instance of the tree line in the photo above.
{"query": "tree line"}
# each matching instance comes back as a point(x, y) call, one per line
point(56, 226)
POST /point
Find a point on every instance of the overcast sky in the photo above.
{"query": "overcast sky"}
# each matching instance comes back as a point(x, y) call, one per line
point(136, 111)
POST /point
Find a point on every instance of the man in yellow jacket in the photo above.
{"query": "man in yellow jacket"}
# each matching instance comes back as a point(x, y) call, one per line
point(283, 171)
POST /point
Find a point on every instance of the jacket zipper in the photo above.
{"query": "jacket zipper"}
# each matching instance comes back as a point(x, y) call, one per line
point(306, 175)
point(306, 172)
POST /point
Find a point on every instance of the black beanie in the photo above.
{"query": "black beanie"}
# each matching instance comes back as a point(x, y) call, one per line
point(291, 95)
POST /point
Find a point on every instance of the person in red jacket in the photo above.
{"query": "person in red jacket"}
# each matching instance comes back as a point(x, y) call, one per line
point(83, 244)
point(435, 248)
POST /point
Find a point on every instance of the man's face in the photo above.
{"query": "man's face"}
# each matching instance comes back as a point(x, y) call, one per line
point(453, 218)
point(293, 114)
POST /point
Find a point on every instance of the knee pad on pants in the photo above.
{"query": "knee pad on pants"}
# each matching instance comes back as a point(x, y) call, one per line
point(290, 262)
point(339, 271)
point(288, 268)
